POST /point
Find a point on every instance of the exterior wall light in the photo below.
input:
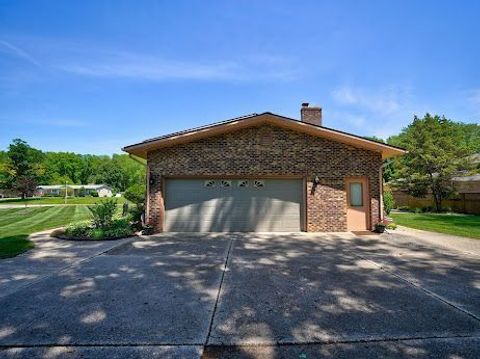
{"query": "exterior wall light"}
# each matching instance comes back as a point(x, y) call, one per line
point(316, 180)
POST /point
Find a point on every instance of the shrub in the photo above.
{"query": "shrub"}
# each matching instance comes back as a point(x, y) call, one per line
point(94, 193)
point(118, 228)
point(418, 210)
point(388, 201)
point(78, 230)
point(103, 213)
point(135, 194)
point(136, 213)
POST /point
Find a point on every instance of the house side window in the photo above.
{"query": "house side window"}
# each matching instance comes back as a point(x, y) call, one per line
point(356, 194)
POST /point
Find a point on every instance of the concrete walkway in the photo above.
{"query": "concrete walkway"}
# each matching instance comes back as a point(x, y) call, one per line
point(49, 257)
point(440, 240)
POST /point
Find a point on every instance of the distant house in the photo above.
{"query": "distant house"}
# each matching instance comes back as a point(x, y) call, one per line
point(6, 193)
point(103, 190)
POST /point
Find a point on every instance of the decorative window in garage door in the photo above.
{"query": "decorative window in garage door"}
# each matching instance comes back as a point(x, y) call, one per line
point(209, 183)
point(258, 183)
point(225, 183)
point(243, 183)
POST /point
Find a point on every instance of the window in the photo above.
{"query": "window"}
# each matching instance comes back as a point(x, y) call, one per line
point(258, 184)
point(356, 194)
point(226, 183)
point(209, 183)
point(243, 183)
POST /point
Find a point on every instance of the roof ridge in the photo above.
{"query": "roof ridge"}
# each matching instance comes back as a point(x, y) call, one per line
point(176, 133)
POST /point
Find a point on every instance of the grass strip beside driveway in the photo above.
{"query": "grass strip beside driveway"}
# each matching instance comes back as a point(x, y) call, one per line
point(455, 224)
point(16, 224)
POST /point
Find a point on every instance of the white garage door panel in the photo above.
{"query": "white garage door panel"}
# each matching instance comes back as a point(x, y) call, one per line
point(190, 206)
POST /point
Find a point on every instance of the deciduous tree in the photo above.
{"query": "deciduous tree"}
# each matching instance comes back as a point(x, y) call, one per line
point(436, 152)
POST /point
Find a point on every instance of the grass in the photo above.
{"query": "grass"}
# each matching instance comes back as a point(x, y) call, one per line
point(57, 200)
point(456, 224)
point(16, 224)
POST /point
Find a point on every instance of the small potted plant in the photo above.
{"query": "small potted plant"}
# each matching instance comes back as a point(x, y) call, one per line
point(380, 227)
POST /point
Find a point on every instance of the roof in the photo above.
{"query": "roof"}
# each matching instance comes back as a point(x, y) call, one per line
point(475, 158)
point(473, 178)
point(141, 149)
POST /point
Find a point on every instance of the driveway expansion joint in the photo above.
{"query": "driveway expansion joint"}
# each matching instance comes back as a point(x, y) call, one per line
point(347, 341)
point(225, 266)
point(260, 344)
point(417, 286)
point(96, 345)
point(68, 266)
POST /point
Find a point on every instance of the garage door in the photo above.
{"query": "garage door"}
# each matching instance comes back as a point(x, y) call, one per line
point(244, 205)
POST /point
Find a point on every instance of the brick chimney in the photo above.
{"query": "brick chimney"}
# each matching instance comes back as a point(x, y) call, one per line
point(312, 115)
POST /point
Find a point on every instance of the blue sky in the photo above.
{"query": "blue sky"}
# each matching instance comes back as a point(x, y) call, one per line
point(93, 76)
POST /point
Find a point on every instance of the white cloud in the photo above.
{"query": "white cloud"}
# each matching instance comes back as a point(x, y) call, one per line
point(380, 112)
point(94, 60)
point(384, 101)
point(155, 68)
point(8, 48)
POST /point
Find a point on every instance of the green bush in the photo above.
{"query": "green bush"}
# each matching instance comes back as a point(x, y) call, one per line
point(135, 194)
point(93, 193)
point(118, 228)
point(388, 201)
point(136, 216)
point(103, 213)
point(78, 230)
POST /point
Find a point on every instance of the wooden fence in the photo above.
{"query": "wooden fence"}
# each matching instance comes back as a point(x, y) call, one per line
point(466, 203)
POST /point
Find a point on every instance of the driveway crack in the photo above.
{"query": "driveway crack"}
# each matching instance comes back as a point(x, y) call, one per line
point(224, 270)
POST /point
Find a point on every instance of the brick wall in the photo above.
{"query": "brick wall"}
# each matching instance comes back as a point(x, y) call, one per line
point(272, 151)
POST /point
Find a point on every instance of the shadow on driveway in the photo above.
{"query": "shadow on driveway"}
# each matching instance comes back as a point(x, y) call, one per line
point(282, 296)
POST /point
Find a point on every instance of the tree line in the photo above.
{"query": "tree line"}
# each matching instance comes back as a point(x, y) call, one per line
point(438, 149)
point(23, 167)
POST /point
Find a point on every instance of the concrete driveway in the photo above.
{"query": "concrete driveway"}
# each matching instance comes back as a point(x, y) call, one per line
point(251, 296)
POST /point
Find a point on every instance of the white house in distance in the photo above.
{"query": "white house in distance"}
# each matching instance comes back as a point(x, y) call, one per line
point(103, 190)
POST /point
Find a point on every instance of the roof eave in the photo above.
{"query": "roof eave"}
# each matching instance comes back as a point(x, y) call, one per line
point(142, 149)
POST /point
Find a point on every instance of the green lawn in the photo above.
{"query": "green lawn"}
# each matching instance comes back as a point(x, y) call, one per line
point(17, 223)
point(456, 224)
point(56, 200)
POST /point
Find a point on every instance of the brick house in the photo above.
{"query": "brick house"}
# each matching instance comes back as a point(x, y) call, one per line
point(264, 172)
